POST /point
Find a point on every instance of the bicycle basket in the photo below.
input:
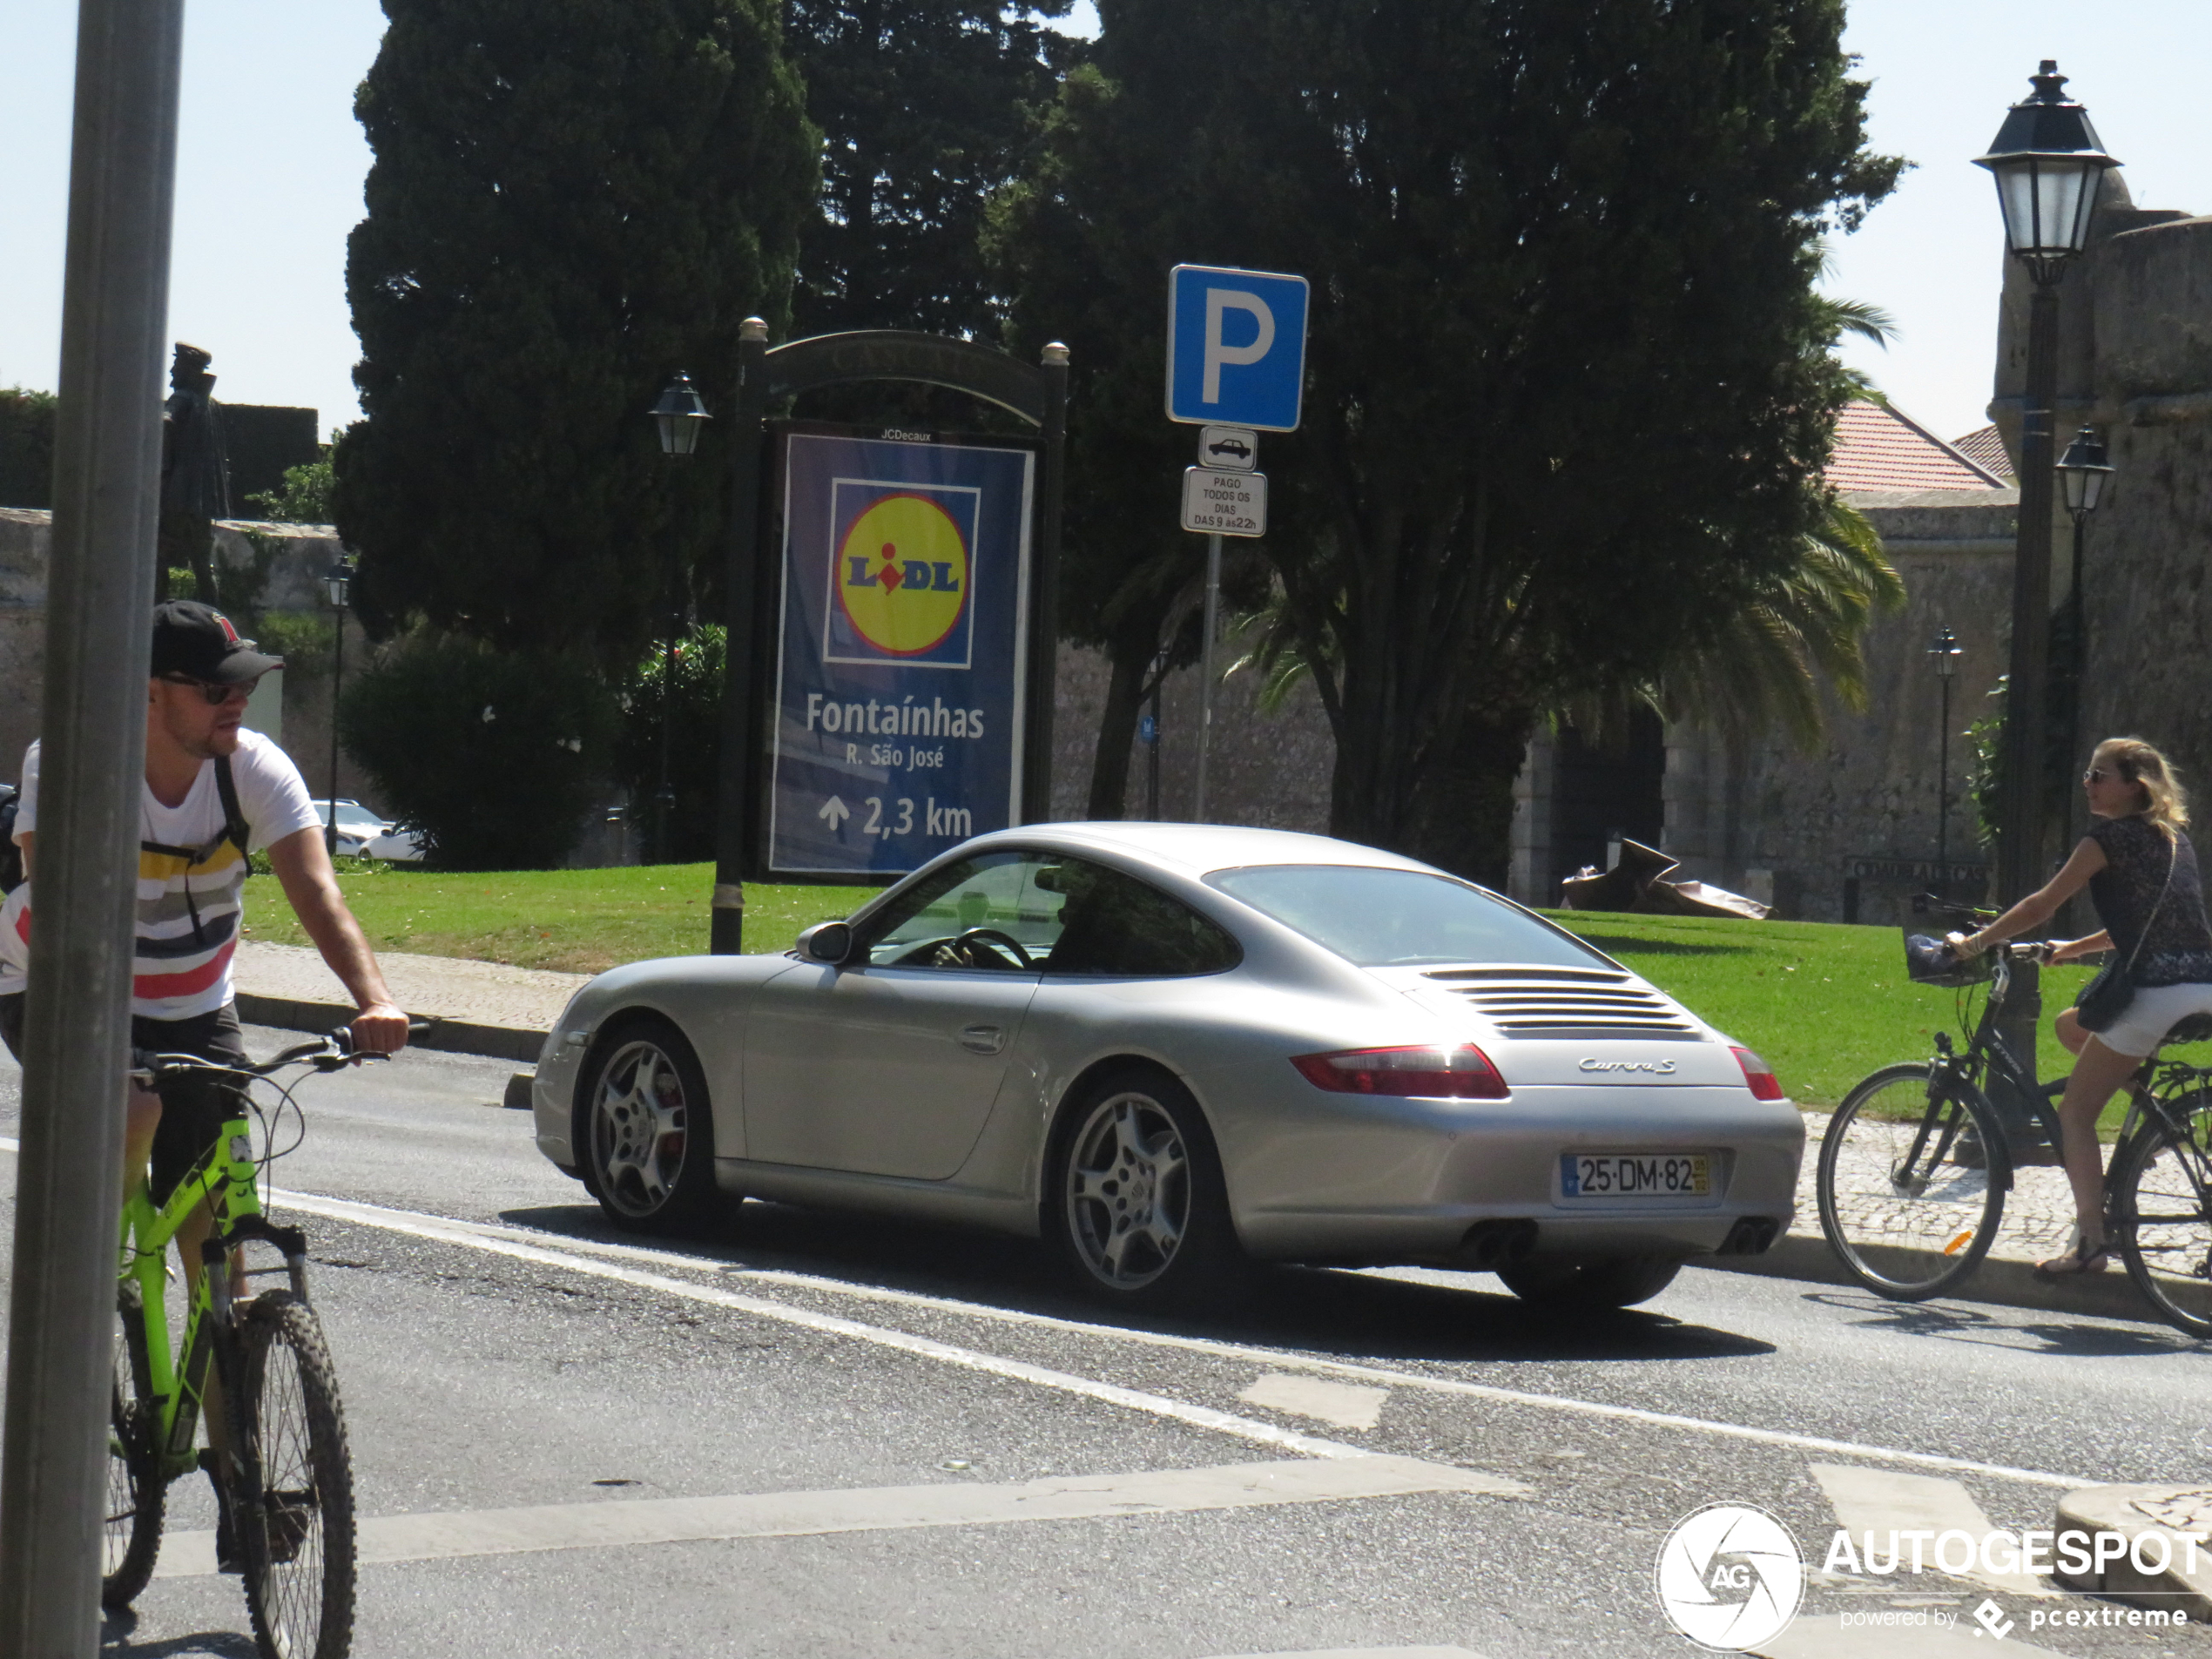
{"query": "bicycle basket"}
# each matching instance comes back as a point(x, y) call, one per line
point(1929, 961)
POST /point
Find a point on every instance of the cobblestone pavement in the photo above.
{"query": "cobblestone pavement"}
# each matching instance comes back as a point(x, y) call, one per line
point(2038, 1211)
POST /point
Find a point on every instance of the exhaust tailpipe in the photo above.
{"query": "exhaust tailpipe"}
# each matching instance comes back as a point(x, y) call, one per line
point(1493, 1243)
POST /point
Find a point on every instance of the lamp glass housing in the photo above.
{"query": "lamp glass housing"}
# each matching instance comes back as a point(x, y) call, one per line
point(2048, 160)
point(338, 583)
point(680, 414)
point(1946, 652)
point(2083, 470)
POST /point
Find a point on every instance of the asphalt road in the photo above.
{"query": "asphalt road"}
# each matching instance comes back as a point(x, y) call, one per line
point(909, 1441)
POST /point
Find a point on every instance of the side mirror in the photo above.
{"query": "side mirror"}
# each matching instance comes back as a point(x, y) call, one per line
point(828, 942)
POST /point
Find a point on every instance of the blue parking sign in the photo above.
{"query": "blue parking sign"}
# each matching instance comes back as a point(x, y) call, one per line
point(1236, 346)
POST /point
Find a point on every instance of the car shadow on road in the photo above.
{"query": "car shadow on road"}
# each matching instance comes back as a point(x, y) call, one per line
point(1950, 1322)
point(1335, 1311)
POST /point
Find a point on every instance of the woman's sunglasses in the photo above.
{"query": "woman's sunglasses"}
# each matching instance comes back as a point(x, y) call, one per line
point(216, 692)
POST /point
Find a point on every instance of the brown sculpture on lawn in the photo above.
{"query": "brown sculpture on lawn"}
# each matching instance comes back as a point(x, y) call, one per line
point(195, 474)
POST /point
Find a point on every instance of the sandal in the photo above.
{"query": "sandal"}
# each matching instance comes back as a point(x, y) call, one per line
point(2081, 1256)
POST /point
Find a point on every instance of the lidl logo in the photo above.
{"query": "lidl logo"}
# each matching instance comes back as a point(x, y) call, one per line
point(902, 575)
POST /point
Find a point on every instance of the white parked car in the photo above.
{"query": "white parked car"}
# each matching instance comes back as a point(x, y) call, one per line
point(357, 826)
point(1167, 1048)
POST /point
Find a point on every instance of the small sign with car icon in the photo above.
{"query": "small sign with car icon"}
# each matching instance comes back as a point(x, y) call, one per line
point(1228, 448)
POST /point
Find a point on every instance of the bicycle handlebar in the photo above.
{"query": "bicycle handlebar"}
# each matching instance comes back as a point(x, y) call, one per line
point(333, 1052)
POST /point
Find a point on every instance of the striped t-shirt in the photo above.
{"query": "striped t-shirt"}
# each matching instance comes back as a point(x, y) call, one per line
point(188, 912)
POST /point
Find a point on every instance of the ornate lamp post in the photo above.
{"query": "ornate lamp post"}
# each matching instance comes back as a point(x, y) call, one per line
point(2083, 472)
point(1945, 653)
point(679, 416)
point(338, 583)
point(2047, 161)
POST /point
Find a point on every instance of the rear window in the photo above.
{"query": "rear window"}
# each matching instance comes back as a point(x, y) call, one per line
point(1401, 917)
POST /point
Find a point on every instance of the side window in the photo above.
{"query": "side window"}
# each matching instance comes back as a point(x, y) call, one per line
point(1113, 925)
point(992, 912)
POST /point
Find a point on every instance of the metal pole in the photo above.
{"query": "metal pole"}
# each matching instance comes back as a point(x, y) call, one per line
point(337, 679)
point(1044, 627)
point(664, 797)
point(107, 463)
point(1943, 800)
point(2020, 864)
point(1205, 670)
point(1152, 749)
point(733, 799)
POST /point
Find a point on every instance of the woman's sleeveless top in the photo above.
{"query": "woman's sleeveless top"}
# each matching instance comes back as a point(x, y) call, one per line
point(2178, 950)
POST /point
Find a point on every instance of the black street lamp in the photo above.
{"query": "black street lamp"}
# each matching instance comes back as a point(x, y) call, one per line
point(2048, 163)
point(338, 583)
point(2083, 472)
point(679, 416)
point(1945, 653)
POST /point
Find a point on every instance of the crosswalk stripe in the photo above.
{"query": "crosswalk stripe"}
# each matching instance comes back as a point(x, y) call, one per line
point(616, 1523)
point(1883, 1501)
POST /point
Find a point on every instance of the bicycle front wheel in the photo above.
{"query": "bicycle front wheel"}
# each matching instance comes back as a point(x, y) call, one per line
point(295, 1523)
point(2161, 1215)
point(1909, 1201)
point(136, 1491)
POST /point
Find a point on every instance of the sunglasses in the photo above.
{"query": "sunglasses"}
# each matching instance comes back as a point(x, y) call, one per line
point(216, 692)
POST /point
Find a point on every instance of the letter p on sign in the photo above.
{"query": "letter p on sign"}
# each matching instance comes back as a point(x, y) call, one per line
point(1236, 346)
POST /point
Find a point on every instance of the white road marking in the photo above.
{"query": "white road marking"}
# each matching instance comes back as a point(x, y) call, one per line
point(376, 1216)
point(1342, 1404)
point(1369, 1653)
point(1827, 1638)
point(1883, 1501)
point(473, 1233)
point(621, 1523)
point(1198, 1416)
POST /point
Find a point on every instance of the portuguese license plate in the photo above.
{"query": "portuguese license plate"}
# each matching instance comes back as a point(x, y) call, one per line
point(1635, 1174)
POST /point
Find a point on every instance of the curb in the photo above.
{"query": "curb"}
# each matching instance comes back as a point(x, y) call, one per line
point(2000, 1281)
point(2114, 1509)
point(451, 1036)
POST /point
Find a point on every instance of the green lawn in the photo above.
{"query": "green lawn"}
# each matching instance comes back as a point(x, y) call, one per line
point(1823, 1004)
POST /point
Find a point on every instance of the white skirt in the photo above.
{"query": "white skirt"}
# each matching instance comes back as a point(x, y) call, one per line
point(2152, 1012)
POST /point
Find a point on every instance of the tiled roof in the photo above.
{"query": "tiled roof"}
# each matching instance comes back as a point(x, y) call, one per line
point(1985, 448)
point(1878, 446)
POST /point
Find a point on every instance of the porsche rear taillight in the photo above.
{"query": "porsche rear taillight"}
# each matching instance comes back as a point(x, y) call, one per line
point(1464, 1073)
point(1758, 1076)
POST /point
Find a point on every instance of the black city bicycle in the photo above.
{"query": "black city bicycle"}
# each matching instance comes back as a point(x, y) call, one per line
point(1915, 1163)
point(282, 1469)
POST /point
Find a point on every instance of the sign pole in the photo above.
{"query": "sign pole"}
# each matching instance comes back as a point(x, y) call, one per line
point(733, 804)
point(107, 468)
point(1205, 670)
point(1044, 627)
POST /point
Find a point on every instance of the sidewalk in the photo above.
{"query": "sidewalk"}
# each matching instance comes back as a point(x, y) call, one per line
point(480, 1008)
point(489, 1008)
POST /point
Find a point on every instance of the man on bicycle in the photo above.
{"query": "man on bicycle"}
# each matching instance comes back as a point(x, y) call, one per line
point(196, 828)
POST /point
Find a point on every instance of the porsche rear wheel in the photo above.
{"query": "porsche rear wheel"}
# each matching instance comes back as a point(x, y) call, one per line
point(648, 1132)
point(1136, 1202)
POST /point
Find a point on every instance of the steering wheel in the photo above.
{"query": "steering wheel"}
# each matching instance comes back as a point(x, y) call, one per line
point(991, 937)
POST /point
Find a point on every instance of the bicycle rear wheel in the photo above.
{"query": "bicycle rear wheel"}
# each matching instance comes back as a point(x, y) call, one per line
point(136, 1490)
point(296, 1524)
point(2162, 1216)
point(1906, 1217)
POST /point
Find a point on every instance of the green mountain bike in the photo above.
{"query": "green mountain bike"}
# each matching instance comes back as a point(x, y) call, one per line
point(283, 1475)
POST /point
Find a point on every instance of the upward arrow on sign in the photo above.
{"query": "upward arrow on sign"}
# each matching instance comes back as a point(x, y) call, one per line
point(834, 812)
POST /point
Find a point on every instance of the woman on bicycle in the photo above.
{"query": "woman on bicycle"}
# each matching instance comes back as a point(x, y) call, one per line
point(2142, 878)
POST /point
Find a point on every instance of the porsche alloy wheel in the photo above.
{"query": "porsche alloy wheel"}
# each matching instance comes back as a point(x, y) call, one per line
point(650, 1134)
point(1141, 1211)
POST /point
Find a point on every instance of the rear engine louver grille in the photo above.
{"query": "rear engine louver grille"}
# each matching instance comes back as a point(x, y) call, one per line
point(1565, 1002)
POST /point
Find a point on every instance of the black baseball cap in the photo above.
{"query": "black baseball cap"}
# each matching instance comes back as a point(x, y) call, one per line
point(196, 639)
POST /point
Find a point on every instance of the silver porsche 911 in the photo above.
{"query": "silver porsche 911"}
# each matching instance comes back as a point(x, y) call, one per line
point(1171, 1049)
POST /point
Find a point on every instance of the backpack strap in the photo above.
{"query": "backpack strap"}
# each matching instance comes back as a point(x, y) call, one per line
point(235, 828)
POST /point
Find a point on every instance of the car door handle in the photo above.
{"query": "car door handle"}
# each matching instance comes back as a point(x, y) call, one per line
point(983, 1039)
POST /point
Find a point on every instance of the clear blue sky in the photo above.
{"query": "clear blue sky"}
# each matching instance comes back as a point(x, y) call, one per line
point(270, 164)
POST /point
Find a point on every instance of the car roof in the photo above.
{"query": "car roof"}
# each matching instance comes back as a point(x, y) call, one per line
point(1196, 849)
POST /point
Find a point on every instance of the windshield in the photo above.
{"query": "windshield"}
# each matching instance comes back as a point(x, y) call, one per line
point(351, 813)
point(1401, 918)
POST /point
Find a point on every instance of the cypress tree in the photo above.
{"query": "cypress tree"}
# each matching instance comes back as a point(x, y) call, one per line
point(571, 201)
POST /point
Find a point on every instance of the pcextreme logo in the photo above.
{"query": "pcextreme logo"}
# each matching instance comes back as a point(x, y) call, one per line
point(903, 575)
point(1729, 1576)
